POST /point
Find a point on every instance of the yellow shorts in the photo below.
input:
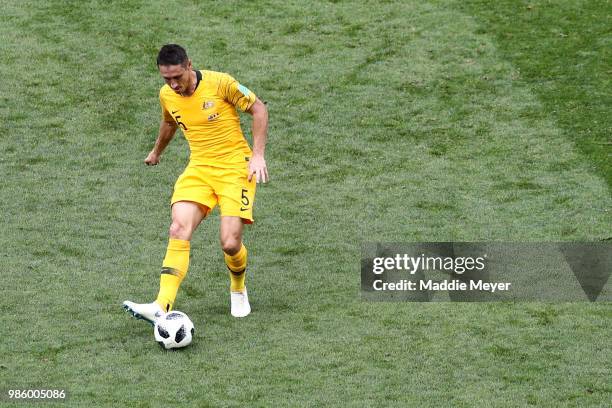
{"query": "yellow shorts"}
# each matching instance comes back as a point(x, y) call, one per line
point(210, 186)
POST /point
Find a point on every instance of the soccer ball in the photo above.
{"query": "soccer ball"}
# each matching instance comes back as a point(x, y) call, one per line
point(174, 330)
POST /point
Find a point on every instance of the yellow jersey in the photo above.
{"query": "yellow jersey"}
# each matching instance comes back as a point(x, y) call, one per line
point(209, 120)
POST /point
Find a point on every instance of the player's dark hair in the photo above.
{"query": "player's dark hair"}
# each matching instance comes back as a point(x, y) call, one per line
point(172, 54)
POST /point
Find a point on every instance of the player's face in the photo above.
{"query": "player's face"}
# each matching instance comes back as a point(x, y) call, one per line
point(177, 76)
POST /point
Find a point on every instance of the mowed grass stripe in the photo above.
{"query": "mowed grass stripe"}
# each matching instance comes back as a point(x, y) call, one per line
point(463, 143)
point(562, 49)
point(370, 139)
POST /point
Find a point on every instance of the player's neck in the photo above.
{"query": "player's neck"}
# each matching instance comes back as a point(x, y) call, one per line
point(192, 84)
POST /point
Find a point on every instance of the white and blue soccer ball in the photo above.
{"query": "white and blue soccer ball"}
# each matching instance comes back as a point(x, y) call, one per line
point(173, 330)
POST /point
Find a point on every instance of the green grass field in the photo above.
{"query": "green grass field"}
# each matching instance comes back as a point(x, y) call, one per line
point(389, 121)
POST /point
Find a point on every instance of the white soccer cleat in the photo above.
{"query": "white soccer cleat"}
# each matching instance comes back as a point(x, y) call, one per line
point(240, 304)
point(145, 311)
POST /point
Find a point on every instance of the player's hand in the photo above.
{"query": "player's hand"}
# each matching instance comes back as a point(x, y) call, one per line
point(152, 159)
point(257, 167)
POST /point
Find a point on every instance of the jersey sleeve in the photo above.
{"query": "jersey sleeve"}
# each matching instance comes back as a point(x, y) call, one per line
point(235, 93)
point(165, 115)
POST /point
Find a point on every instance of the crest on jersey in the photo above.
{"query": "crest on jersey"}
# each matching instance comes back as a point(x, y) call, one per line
point(208, 105)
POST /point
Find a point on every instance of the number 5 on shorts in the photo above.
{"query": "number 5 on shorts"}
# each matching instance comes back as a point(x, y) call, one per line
point(245, 200)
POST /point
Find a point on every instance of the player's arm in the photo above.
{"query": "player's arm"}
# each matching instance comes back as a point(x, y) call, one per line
point(242, 98)
point(166, 133)
point(257, 164)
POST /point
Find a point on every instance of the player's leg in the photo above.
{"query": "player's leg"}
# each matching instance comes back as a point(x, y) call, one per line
point(236, 196)
point(235, 254)
point(193, 198)
point(186, 216)
point(234, 251)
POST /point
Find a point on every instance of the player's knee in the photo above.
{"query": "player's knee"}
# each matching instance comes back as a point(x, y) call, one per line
point(231, 245)
point(179, 230)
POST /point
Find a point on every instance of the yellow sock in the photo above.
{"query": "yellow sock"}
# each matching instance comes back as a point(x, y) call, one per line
point(173, 272)
point(237, 265)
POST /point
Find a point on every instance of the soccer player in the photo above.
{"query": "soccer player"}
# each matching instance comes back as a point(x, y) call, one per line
point(222, 170)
